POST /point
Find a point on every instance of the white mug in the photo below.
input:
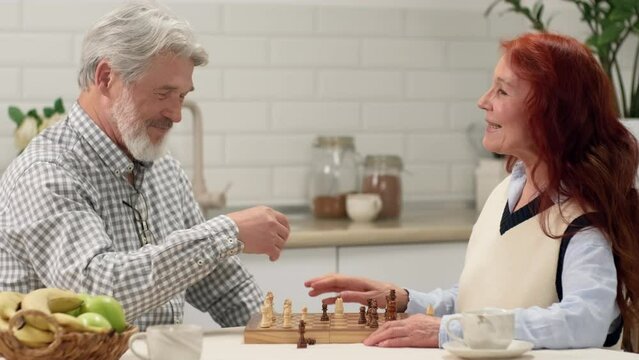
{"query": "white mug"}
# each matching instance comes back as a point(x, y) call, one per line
point(363, 207)
point(170, 342)
point(485, 329)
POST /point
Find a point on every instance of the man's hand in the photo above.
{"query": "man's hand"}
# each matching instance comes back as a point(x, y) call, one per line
point(415, 331)
point(262, 230)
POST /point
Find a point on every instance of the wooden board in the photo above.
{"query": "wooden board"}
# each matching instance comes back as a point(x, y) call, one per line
point(334, 331)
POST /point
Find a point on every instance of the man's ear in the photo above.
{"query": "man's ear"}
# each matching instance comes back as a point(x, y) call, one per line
point(104, 77)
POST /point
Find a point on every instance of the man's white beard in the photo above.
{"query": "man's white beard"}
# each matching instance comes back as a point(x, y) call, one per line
point(133, 130)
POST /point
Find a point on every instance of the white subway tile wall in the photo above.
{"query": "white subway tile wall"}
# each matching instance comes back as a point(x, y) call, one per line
point(400, 79)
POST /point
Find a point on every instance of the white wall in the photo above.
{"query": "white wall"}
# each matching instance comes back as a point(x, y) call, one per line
point(400, 76)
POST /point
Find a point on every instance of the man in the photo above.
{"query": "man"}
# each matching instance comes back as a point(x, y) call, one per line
point(95, 205)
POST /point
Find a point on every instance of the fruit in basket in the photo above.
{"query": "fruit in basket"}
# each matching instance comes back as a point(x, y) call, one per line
point(95, 322)
point(106, 306)
point(9, 302)
point(33, 337)
point(49, 300)
point(72, 323)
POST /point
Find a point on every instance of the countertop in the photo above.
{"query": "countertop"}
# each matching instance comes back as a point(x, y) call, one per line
point(418, 223)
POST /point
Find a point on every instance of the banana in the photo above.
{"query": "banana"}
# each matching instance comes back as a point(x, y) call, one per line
point(49, 300)
point(9, 302)
point(33, 337)
point(72, 323)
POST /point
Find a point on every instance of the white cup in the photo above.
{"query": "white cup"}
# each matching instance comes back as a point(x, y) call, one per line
point(485, 329)
point(363, 207)
point(169, 342)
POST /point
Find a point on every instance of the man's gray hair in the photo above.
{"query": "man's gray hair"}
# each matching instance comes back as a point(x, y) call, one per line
point(130, 36)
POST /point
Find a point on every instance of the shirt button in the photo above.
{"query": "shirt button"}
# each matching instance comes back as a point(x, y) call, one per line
point(200, 262)
point(129, 168)
point(230, 241)
point(117, 172)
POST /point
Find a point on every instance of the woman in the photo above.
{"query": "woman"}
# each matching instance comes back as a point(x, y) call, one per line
point(557, 241)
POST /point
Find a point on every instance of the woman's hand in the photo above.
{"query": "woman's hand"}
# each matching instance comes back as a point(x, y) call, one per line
point(415, 331)
point(356, 289)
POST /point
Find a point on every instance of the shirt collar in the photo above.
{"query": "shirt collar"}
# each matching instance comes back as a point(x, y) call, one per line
point(518, 180)
point(112, 156)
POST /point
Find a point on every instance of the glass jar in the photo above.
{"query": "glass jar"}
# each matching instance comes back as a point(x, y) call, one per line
point(334, 174)
point(382, 175)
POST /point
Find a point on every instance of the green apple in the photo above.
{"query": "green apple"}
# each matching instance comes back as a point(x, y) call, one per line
point(108, 307)
point(95, 320)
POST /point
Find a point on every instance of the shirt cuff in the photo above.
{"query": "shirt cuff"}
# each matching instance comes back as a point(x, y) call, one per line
point(455, 328)
point(223, 231)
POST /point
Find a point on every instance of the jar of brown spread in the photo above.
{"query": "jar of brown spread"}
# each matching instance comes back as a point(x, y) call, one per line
point(382, 175)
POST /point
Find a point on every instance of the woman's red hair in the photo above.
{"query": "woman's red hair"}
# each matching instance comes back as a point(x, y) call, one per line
point(590, 156)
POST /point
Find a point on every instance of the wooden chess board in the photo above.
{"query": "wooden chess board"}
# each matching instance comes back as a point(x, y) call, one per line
point(334, 331)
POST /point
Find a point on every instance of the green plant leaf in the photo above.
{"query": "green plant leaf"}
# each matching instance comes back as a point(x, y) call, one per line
point(16, 115)
point(58, 106)
point(34, 114)
point(48, 112)
point(625, 5)
point(610, 33)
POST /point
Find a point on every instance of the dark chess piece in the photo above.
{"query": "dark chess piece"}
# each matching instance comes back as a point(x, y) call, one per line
point(301, 343)
point(362, 315)
point(324, 313)
point(310, 341)
point(374, 320)
point(392, 294)
point(386, 313)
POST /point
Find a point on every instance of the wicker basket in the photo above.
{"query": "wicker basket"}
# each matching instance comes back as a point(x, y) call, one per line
point(67, 345)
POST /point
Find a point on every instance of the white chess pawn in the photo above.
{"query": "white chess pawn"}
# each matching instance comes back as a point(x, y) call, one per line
point(304, 312)
point(339, 308)
point(287, 314)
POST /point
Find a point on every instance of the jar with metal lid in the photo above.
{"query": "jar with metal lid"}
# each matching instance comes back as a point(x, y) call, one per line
point(334, 174)
point(382, 175)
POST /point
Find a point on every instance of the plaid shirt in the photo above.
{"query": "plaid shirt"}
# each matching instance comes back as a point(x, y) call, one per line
point(70, 219)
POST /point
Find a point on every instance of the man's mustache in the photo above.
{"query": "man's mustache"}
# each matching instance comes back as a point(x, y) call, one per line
point(161, 123)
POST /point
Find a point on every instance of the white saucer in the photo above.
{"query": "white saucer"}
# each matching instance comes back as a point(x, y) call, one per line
point(516, 348)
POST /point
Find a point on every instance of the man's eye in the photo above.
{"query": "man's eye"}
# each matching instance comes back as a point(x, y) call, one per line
point(501, 92)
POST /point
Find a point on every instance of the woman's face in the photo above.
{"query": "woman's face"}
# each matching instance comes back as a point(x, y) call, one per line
point(507, 130)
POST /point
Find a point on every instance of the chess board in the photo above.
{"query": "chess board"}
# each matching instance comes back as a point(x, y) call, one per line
point(334, 331)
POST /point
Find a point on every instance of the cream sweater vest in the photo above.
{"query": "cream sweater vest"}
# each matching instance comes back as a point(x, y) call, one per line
point(516, 269)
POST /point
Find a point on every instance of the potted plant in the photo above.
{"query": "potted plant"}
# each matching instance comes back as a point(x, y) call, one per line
point(31, 123)
point(611, 23)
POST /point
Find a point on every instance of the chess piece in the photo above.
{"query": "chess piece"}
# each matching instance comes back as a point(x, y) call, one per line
point(324, 313)
point(266, 316)
point(362, 315)
point(304, 312)
point(374, 320)
point(339, 308)
point(269, 301)
point(287, 314)
point(301, 342)
point(391, 306)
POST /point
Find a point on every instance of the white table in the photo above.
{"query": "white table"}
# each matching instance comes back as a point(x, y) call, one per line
point(227, 344)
